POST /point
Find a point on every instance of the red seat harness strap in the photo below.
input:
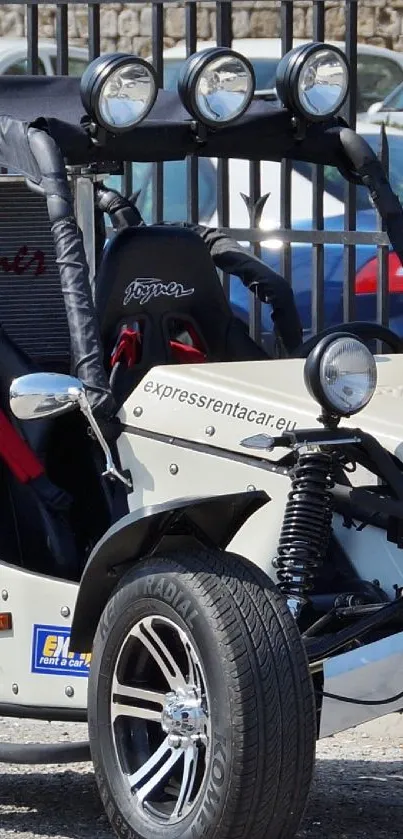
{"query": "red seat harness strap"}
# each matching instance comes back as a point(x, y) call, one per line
point(16, 453)
point(129, 343)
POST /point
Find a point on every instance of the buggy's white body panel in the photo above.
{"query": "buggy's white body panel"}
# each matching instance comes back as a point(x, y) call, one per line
point(184, 427)
point(36, 669)
point(241, 399)
point(194, 419)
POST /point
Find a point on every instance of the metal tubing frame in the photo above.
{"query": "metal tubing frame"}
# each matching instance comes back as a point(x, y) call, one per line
point(318, 237)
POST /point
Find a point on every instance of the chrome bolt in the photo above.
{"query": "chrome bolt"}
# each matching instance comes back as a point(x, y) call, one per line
point(199, 739)
point(14, 688)
point(210, 430)
point(250, 488)
point(175, 741)
point(4, 594)
point(69, 691)
point(137, 412)
point(174, 468)
point(65, 611)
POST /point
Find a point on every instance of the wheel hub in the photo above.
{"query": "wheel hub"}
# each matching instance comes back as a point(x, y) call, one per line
point(183, 718)
point(162, 736)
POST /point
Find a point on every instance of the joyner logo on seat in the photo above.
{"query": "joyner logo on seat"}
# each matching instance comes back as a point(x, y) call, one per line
point(144, 289)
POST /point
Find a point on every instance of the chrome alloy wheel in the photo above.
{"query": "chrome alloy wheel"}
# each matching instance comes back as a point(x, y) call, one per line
point(160, 719)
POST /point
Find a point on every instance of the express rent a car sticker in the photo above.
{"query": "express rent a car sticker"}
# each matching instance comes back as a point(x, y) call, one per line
point(50, 653)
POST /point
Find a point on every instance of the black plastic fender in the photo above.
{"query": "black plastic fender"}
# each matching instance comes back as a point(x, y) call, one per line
point(211, 521)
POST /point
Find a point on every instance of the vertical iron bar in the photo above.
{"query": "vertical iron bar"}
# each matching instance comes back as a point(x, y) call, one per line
point(286, 165)
point(224, 23)
point(127, 179)
point(318, 184)
point(62, 56)
point(192, 163)
point(127, 186)
point(94, 31)
point(87, 187)
point(158, 62)
point(32, 37)
point(382, 290)
point(224, 39)
point(349, 256)
point(255, 310)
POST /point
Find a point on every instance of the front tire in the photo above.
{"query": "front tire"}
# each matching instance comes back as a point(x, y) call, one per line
point(200, 704)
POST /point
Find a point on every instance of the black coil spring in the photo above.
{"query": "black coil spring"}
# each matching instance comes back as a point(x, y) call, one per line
point(306, 526)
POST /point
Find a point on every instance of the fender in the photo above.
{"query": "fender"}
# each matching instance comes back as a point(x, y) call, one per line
point(211, 521)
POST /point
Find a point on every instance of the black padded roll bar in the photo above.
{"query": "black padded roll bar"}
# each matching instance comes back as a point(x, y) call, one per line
point(365, 162)
point(85, 342)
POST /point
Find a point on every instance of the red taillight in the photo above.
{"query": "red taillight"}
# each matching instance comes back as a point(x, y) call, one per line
point(366, 280)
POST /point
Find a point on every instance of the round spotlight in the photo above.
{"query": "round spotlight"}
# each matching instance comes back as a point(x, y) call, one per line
point(340, 373)
point(216, 85)
point(118, 91)
point(313, 81)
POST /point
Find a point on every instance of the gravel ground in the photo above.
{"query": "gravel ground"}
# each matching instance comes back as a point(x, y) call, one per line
point(357, 792)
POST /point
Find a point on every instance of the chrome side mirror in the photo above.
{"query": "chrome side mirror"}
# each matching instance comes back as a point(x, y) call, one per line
point(40, 395)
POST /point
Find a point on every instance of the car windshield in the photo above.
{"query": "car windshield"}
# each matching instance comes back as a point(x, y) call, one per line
point(394, 102)
point(175, 189)
point(265, 72)
point(335, 183)
point(76, 65)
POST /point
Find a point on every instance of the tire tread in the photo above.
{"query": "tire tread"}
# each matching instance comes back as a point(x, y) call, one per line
point(273, 711)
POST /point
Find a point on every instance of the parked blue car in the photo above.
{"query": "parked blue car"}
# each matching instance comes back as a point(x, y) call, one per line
point(366, 257)
point(175, 209)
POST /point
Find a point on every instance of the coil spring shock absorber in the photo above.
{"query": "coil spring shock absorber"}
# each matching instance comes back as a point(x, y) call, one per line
point(306, 527)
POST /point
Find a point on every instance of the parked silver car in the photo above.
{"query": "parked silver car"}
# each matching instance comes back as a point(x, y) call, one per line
point(390, 111)
point(379, 70)
point(14, 60)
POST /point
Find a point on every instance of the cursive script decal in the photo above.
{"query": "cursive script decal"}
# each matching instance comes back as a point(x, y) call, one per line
point(143, 289)
point(21, 262)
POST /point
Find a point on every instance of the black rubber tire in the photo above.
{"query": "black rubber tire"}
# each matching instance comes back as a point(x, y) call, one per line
point(263, 714)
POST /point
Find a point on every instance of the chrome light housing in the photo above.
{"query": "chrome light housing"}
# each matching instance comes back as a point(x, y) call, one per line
point(118, 91)
point(313, 80)
point(340, 373)
point(216, 86)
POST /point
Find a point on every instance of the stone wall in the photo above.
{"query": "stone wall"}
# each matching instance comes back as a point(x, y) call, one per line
point(127, 27)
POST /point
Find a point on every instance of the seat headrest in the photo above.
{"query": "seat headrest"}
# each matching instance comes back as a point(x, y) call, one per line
point(160, 272)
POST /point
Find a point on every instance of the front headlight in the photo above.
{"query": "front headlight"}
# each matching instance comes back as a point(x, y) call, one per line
point(313, 81)
point(340, 373)
point(216, 86)
point(118, 91)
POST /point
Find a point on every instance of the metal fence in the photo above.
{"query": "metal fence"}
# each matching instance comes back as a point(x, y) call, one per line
point(318, 238)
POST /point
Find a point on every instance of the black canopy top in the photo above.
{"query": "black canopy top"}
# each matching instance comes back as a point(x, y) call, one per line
point(265, 132)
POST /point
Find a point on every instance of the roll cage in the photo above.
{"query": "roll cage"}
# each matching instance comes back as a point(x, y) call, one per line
point(44, 131)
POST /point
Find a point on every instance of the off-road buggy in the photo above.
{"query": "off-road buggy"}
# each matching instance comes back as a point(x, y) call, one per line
point(229, 587)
